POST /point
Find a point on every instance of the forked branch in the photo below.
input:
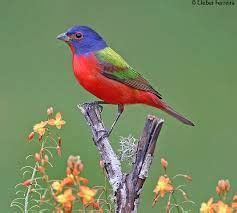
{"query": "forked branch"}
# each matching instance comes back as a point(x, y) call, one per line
point(126, 187)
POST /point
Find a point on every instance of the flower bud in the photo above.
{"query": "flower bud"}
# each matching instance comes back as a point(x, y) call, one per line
point(37, 157)
point(227, 183)
point(218, 191)
point(59, 151)
point(81, 167)
point(164, 163)
point(27, 182)
point(96, 205)
point(45, 178)
point(223, 186)
point(50, 111)
point(59, 141)
point(46, 158)
point(41, 169)
point(68, 171)
point(31, 136)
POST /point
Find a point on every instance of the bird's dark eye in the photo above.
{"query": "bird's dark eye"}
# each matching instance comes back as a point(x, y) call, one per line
point(78, 35)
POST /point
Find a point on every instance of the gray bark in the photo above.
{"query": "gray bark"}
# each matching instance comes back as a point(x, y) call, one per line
point(126, 187)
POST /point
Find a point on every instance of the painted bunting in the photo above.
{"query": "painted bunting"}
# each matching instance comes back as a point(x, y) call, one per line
point(105, 74)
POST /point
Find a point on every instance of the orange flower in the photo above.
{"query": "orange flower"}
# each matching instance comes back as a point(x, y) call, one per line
point(221, 207)
point(234, 203)
point(58, 121)
point(40, 127)
point(57, 186)
point(69, 180)
point(66, 199)
point(83, 180)
point(163, 186)
point(207, 207)
point(87, 195)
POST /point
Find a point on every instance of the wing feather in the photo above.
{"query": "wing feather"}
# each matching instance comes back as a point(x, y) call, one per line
point(116, 68)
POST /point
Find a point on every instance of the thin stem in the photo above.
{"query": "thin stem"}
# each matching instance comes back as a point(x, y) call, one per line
point(175, 202)
point(29, 188)
point(32, 178)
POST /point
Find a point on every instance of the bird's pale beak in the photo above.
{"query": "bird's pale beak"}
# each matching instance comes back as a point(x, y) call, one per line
point(63, 37)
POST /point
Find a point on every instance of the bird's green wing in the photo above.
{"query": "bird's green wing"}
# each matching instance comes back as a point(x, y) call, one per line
point(116, 68)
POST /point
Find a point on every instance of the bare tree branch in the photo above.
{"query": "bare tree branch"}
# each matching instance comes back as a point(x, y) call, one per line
point(126, 187)
point(112, 164)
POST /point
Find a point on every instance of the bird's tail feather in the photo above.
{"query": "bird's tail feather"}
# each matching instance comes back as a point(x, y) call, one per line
point(176, 115)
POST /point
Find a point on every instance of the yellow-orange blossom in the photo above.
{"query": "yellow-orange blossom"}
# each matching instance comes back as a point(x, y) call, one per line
point(58, 121)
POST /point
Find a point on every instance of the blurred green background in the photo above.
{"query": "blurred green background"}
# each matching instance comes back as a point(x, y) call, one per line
point(187, 52)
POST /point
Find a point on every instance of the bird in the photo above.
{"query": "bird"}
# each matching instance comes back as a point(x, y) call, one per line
point(105, 74)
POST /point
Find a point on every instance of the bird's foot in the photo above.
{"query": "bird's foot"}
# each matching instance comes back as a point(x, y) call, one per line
point(93, 103)
point(109, 131)
point(106, 134)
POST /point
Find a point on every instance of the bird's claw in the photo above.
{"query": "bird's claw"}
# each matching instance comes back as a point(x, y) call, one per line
point(109, 132)
point(100, 108)
point(94, 103)
point(105, 135)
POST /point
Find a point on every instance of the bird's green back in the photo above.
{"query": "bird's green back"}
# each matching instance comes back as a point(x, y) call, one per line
point(116, 68)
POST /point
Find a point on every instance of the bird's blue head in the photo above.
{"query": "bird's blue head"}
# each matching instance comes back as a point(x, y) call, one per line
point(82, 40)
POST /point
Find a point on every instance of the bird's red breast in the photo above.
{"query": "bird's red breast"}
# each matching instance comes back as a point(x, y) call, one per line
point(87, 71)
